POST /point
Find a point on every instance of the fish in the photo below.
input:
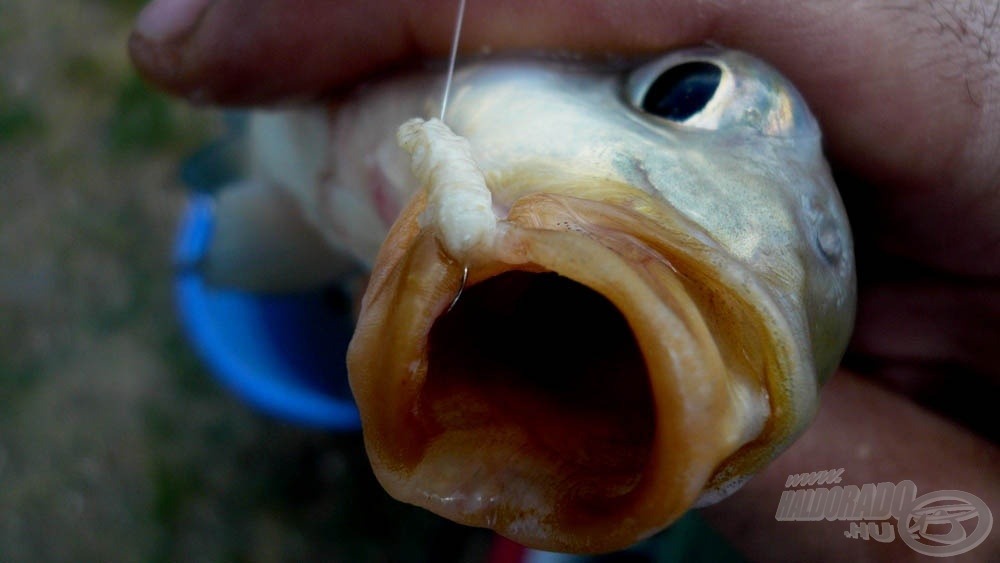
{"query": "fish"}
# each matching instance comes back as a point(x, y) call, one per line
point(595, 297)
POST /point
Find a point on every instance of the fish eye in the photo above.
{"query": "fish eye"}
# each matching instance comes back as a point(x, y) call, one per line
point(692, 89)
point(716, 89)
point(681, 91)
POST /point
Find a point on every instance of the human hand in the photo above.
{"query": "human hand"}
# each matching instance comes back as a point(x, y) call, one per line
point(908, 96)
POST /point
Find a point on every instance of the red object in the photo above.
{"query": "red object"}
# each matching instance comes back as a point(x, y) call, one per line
point(506, 551)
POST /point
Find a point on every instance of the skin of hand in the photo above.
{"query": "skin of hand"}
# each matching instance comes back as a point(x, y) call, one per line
point(908, 95)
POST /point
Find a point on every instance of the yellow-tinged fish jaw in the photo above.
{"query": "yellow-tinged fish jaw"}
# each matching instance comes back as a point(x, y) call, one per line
point(605, 365)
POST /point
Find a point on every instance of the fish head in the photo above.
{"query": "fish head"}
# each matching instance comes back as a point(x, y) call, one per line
point(628, 314)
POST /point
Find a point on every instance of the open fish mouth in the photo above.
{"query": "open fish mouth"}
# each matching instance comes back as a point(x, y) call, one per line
point(604, 366)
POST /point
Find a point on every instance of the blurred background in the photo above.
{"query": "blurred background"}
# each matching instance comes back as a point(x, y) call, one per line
point(115, 444)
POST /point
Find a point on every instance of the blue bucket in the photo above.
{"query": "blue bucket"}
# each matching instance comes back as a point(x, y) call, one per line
point(284, 354)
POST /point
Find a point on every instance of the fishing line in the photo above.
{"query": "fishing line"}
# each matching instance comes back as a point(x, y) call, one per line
point(452, 58)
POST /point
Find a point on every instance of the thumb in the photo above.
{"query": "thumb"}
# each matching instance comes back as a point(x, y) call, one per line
point(252, 51)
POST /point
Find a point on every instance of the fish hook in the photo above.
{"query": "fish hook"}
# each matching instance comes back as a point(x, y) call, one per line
point(465, 278)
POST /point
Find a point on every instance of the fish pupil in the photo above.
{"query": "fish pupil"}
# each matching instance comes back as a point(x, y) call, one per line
point(682, 91)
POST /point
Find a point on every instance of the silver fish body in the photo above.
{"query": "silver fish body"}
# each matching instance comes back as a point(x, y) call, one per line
point(711, 225)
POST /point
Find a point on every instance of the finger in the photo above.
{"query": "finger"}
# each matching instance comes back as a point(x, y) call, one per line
point(908, 92)
point(932, 339)
point(241, 51)
point(258, 51)
point(875, 436)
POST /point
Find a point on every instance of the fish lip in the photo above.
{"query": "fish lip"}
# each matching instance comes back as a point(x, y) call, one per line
point(529, 241)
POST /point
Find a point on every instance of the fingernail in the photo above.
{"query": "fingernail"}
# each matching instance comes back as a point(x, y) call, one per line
point(164, 20)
